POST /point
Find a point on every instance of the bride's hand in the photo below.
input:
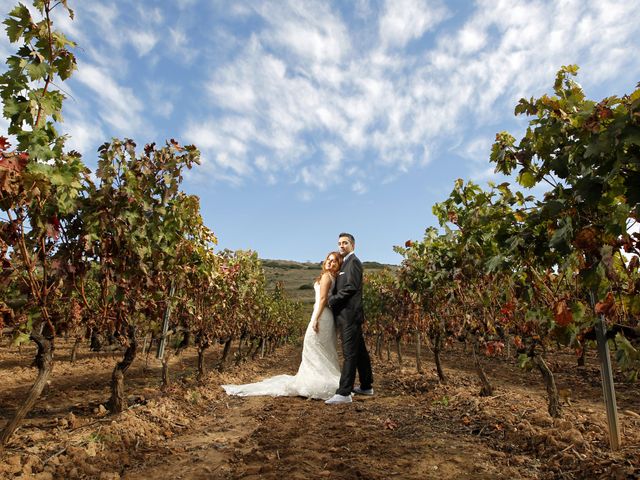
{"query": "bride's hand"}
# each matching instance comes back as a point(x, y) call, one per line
point(316, 327)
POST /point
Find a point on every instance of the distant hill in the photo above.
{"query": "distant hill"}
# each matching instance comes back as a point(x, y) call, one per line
point(298, 277)
point(290, 264)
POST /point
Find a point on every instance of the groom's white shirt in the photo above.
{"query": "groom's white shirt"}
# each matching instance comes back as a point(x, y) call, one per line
point(345, 259)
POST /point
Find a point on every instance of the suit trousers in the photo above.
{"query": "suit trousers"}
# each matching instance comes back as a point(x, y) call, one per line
point(356, 358)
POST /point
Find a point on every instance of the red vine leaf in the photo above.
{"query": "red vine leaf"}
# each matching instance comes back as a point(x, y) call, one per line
point(4, 144)
point(562, 314)
point(607, 306)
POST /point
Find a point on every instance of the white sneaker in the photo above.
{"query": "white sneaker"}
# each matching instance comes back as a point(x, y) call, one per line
point(339, 399)
point(363, 391)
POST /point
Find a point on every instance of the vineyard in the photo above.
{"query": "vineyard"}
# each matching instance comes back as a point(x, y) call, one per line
point(415, 427)
point(112, 259)
point(509, 335)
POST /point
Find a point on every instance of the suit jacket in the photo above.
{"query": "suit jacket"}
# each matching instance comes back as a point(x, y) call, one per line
point(346, 298)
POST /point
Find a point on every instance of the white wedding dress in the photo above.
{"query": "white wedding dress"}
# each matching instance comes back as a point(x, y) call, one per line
point(319, 372)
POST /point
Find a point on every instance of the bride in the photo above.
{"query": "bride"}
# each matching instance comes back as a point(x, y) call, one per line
point(319, 372)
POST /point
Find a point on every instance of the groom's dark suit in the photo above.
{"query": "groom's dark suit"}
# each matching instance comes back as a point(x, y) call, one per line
point(346, 304)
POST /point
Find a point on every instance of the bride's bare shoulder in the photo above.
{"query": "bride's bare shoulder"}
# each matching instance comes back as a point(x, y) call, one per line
point(326, 278)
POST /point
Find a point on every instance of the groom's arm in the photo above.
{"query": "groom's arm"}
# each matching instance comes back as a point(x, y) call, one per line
point(353, 283)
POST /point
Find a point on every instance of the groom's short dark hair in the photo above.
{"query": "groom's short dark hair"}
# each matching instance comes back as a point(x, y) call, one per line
point(349, 236)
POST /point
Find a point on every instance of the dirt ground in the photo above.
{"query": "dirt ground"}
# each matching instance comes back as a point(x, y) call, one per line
point(413, 428)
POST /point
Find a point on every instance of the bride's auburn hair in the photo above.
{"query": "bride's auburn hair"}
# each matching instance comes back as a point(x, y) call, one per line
point(337, 267)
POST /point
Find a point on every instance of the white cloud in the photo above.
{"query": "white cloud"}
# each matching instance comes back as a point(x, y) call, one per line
point(81, 126)
point(483, 174)
point(359, 187)
point(63, 23)
point(119, 107)
point(327, 171)
point(180, 46)
point(103, 18)
point(262, 163)
point(477, 149)
point(85, 135)
point(143, 41)
point(406, 20)
point(178, 37)
point(308, 30)
point(363, 8)
point(161, 97)
point(472, 39)
point(203, 135)
point(151, 15)
point(233, 163)
point(225, 152)
point(234, 96)
point(303, 79)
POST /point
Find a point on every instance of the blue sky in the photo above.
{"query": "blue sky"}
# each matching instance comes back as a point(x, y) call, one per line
point(316, 117)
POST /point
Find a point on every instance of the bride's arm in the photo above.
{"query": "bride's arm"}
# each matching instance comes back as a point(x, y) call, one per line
point(325, 286)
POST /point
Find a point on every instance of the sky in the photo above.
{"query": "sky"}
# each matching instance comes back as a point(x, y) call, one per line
point(318, 117)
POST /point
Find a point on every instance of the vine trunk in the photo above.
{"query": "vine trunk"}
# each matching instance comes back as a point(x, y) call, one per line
point(44, 362)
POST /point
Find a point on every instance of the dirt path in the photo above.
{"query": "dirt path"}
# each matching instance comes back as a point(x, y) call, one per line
point(413, 428)
point(385, 436)
point(269, 438)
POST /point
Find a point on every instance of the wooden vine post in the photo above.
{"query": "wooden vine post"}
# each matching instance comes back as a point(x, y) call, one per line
point(608, 387)
point(165, 324)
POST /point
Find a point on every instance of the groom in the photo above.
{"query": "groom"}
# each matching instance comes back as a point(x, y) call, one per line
point(346, 303)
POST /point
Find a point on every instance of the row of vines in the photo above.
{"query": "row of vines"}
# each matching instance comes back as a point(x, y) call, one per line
point(508, 271)
point(108, 256)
